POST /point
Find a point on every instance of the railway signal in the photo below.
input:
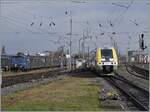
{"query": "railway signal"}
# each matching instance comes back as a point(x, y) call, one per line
point(32, 24)
point(100, 25)
point(141, 42)
point(41, 24)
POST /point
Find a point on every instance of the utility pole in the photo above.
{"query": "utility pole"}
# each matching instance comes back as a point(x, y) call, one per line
point(3, 50)
point(62, 55)
point(83, 46)
point(88, 55)
point(0, 69)
point(84, 39)
point(70, 53)
point(70, 41)
point(87, 32)
point(0, 10)
point(79, 46)
point(0, 49)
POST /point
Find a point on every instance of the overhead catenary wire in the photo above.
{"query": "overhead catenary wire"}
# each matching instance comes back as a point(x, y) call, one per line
point(53, 41)
point(16, 23)
point(54, 23)
point(102, 33)
point(33, 22)
point(122, 15)
point(27, 26)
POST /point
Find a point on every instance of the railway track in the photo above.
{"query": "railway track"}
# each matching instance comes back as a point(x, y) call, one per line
point(141, 73)
point(135, 94)
point(15, 79)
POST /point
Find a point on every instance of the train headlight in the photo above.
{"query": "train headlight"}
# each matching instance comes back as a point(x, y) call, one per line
point(103, 59)
point(111, 59)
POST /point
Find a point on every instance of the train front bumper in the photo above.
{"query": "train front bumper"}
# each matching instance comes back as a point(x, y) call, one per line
point(102, 65)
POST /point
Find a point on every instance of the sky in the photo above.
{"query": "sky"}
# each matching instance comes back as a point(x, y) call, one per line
point(97, 19)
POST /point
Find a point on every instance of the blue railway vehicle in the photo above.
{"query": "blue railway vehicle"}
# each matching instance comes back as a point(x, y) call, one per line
point(24, 63)
point(20, 63)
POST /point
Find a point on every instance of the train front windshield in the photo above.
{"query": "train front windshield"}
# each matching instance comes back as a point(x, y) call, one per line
point(107, 53)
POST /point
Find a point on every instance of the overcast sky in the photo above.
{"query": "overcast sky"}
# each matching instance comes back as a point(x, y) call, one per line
point(127, 19)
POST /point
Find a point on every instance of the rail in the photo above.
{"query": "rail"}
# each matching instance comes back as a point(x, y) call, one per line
point(15, 79)
point(137, 75)
point(139, 70)
point(137, 95)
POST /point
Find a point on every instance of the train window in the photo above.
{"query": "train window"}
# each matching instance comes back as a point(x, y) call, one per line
point(28, 60)
point(107, 53)
point(18, 59)
point(43, 60)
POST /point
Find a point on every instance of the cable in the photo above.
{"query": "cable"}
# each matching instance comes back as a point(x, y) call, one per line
point(10, 20)
point(123, 14)
point(23, 23)
point(16, 24)
point(26, 23)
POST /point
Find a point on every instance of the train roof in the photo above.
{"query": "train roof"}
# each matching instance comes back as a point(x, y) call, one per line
point(106, 48)
point(5, 55)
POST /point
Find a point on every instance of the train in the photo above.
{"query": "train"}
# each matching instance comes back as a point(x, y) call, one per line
point(25, 63)
point(102, 60)
point(106, 59)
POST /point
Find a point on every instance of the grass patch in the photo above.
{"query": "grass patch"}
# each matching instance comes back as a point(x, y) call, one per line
point(70, 94)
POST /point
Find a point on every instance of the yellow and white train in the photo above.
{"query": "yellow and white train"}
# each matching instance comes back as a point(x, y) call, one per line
point(106, 59)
